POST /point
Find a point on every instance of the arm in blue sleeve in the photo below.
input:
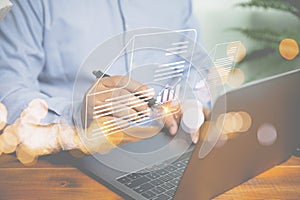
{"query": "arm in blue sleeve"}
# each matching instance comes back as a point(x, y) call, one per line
point(22, 59)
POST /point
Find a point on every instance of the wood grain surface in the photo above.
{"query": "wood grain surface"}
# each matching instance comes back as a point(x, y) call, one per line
point(53, 177)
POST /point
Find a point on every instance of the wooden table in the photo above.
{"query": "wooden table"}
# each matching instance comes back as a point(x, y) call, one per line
point(53, 177)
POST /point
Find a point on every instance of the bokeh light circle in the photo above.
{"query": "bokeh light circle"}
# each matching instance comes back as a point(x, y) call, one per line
point(242, 52)
point(3, 116)
point(266, 134)
point(289, 48)
point(236, 78)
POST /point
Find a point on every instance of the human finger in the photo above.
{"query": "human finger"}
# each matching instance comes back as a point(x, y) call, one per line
point(171, 124)
point(129, 84)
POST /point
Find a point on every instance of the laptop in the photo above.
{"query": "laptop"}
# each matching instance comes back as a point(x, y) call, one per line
point(206, 170)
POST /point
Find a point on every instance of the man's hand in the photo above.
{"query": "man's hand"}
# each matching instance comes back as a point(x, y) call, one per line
point(123, 99)
point(117, 96)
point(173, 121)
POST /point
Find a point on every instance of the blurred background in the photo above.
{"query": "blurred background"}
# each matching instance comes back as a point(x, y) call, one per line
point(260, 25)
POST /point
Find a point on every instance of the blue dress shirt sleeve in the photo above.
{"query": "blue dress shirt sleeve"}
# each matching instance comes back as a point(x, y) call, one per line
point(22, 60)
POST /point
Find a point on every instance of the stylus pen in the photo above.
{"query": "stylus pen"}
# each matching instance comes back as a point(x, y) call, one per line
point(151, 102)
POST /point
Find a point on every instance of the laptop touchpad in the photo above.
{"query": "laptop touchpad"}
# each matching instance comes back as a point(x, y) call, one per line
point(146, 152)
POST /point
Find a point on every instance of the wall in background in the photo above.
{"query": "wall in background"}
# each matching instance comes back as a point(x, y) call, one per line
point(217, 17)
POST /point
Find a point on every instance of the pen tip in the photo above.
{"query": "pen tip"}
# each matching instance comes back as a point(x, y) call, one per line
point(151, 102)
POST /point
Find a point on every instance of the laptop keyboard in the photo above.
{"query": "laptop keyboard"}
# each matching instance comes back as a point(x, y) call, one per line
point(158, 182)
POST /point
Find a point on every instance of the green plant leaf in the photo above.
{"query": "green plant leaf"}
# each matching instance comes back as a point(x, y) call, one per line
point(268, 37)
point(256, 54)
point(285, 6)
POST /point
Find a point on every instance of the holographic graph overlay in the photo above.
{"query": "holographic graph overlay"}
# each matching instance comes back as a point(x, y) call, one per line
point(211, 77)
point(118, 104)
point(158, 59)
point(168, 94)
point(169, 86)
point(161, 61)
point(239, 55)
point(223, 57)
point(170, 54)
point(169, 71)
point(166, 52)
